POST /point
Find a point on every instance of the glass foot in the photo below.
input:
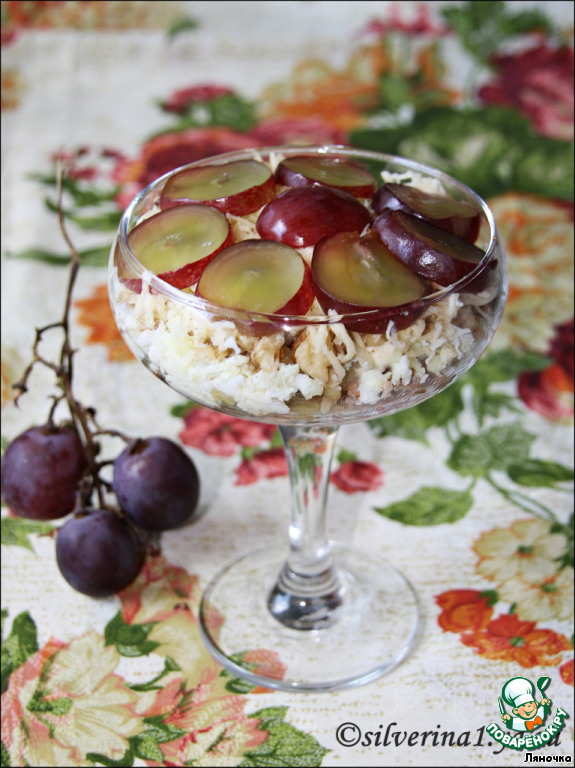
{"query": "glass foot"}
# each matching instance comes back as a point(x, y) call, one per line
point(373, 626)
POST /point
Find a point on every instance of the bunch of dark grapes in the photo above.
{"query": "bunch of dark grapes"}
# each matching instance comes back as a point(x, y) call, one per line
point(54, 470)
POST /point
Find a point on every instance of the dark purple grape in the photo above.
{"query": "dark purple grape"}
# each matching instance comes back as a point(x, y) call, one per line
point(427, 250)
point(157, 484)
point(455, 216)
point(41, 471)
point(98, 553)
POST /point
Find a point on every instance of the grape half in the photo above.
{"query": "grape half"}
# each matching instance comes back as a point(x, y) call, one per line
point(258, 276)
point(455, 216)
point(98, 553)
point(178, 243)
point(41, 472)
point(305, 170)
point(426, 249)
point(156, 483)
point(354, 273)
point(238, 188)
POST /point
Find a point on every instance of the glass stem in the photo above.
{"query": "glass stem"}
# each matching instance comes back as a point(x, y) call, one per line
point(309, 591)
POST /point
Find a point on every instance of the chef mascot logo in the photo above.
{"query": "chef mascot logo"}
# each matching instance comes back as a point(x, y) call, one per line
point(528, 714)
point(527, 717)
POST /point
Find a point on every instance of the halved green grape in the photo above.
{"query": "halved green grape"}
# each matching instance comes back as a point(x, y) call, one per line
point(258, 276)
point(427, 250)
point(455, 216)
point(239, 188)
point(356, 273)
point(305, 170)
point(178, 243)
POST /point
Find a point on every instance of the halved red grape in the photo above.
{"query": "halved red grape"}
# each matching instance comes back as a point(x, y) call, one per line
point(455, 216)
point(178, 243)
point(258, 276)
point(98, 552)
point(239, 187)
point(41, 472)
point(303, 215)
point(305, 170)
point(427, 250)
point(157, 484)
point(355, 273)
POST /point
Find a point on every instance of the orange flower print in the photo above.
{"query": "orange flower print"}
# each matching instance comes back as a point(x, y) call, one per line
point(95, 314)
point(537, 234)
point(464, 610)
point(507, 638)
point(566, 672)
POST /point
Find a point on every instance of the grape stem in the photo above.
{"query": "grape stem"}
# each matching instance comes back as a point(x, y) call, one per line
point(82, 416)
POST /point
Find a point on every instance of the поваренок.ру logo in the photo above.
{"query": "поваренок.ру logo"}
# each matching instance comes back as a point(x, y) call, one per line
point(528, 715)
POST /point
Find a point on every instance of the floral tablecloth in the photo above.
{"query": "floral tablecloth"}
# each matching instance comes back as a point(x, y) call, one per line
point(470, 493)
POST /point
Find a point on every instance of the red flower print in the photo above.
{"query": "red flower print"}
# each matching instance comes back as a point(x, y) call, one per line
point(562, 348)
point(422, 24)
point(507, 638)
point(170, 150)
point(566, 672)
point(220, 435)
point(539, 82)
point(298, 131)
point(266, 663)
point(265, 464)
point(181, 100)
point(550, 392)
point(464, 610)
point(355, 476)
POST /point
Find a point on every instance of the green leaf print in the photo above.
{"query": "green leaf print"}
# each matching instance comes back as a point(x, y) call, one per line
point(39, 704)
point(81, 194)
point(493, 150)
point(343, 456)
point(429, 506)
point(107, 221)
point(182, 409)
point(169, 666)
point(413, 423)
point(482, 25)
point(185, 24)
point(126, 760)
point(567, 559)
point(237, 684)
point(91, 257)
point(5, 757)
point(20, 644)
point(497, 448)
point(285, 745)
point(16, 531)
point(145, 747)
point(491, 404)
point(229, 110)
point(160, 731)
point(130, 639)
point(535, 473)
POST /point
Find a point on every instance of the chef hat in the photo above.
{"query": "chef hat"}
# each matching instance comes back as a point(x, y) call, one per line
point(518, 691)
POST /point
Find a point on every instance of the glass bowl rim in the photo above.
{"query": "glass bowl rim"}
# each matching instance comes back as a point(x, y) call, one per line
point(198, 303)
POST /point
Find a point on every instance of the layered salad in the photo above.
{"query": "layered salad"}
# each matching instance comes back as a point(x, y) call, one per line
point(304, 286)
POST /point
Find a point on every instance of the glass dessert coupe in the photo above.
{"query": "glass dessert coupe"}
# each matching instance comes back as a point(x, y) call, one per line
point(337, 617)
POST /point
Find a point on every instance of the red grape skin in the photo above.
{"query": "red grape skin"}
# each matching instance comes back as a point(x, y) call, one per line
point(156, 483)
point(301, 216)
point(427, 250)
point(98, 553)
point(462, 220)
point(41, 471)
point(287, 174)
